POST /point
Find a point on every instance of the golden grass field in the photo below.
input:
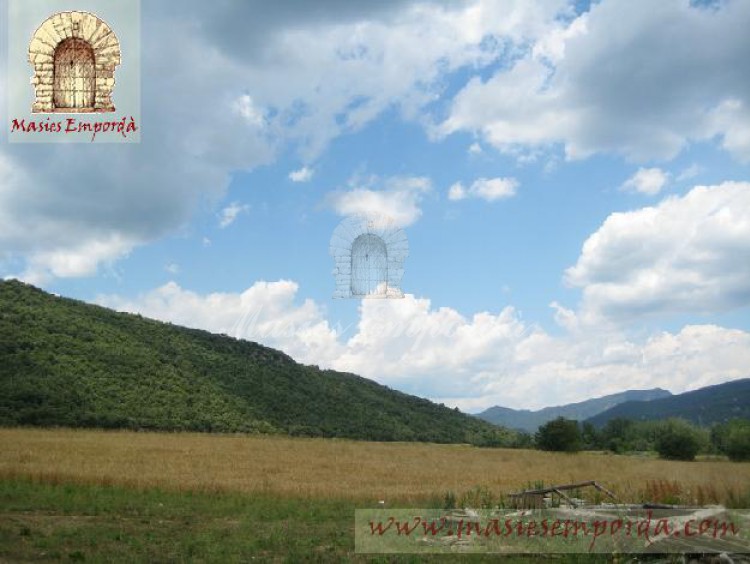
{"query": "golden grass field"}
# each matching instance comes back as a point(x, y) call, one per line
point(343, 469)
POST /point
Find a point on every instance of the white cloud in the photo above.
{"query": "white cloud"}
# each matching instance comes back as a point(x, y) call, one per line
point(172, 268)
point(245, 107)
point(330, 73)
point(470, 362)
point(492, 189)
point(633, 91)
point(488, 189)
point(266, 312)
point(475, 149)
point(408, 343)
point(395, 198)
point(730, 120)
point(688, 254)
point(649, 181)
point(230, 213)
point(566, 318)
point(690, 172)
point(512, 364)
point(304, 174)
point(71, 261)
point(509, 111)
point(457, 192)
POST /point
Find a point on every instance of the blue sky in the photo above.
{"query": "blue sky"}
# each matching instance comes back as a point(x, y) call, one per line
point(573, 183)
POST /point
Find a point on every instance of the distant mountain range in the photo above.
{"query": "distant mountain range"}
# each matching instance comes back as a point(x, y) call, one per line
point(67, 363)
point(530, 421)
point(705, 406)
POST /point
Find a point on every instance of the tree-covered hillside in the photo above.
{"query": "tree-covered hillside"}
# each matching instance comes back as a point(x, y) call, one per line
point(67, 363)
point(706, 406)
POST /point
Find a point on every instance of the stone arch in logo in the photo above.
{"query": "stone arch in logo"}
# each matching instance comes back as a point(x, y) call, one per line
point(74, 55)
point(369, 252)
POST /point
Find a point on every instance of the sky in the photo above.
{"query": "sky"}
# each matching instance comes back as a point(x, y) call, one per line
point(573, 180)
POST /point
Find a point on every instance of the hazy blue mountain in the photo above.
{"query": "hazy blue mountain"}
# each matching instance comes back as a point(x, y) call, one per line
point(530, 421)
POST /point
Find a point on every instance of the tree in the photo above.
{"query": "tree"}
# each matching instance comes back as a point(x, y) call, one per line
point(733, 439)
point(559, 435)
point(719, 438)
point(522, 439)
point(616, 435)
point(590, 436)
point(738, 441)
point(678, 440)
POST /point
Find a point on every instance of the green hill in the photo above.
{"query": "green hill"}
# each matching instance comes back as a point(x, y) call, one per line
point(705, 406)
point(67, 363)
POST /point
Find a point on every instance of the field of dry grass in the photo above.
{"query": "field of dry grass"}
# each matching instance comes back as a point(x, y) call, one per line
point(404, 473)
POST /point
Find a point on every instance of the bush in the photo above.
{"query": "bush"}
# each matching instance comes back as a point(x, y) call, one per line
point(678, 440)
point(559, 435)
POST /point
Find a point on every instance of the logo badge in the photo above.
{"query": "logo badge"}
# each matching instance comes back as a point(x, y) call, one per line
point(85, 72)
